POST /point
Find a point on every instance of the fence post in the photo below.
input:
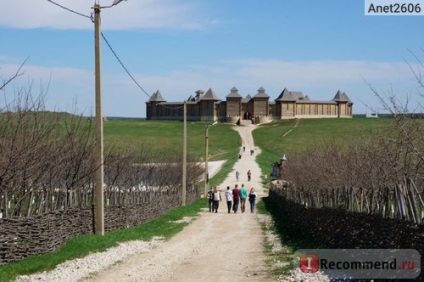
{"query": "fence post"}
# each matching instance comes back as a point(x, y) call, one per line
point(5, 211)
point(399, 200)
point(412, 201)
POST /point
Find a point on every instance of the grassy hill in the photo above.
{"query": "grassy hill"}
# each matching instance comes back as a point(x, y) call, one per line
point(279, 137)
point(292, 137)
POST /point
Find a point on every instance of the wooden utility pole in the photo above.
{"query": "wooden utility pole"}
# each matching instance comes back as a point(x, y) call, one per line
point(206, 159)
point(184, 184)
point(99, 198)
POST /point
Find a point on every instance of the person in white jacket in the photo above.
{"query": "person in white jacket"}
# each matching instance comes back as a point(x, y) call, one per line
point(216, 199)
point(229, 197)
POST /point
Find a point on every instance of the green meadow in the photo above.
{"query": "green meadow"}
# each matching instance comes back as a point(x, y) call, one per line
point(167, 137)
point(291, 137)
point(279, 137)
point(283, 136)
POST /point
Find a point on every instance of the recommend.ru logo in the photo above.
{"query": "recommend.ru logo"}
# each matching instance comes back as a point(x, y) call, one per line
point(360, 263)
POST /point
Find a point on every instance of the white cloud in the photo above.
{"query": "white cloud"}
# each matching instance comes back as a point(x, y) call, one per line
point(132, 14)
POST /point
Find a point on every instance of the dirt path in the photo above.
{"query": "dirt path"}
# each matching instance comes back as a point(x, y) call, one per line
point(215, 247)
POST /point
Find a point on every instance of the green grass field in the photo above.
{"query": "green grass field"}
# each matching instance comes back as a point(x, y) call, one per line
point(291, 137)
point(167, 137)
point(279, 137)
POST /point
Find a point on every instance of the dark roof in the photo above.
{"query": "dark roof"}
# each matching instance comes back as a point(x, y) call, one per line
point(297, 95)
point(178, 103)
point(341, 97)
point(285, 95)
point(156, 97)
point(315, 102)
point(209, 95)
point(191, 98)
point(234, 93)
point(261, 93)
point(246, 99)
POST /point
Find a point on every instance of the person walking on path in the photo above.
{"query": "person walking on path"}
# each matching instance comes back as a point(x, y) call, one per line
point(252, 199)
point(249, 175)
point(210, 197)
point(243, 196)
point(237, 175)
point(229, 197)
point(216, 199)
point(236, 198)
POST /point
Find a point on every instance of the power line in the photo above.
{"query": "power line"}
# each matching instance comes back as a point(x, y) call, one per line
point(123, 66)
point(107, 43)
point(72, 11)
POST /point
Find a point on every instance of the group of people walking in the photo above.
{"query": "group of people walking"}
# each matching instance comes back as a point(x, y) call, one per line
point(243, 149)
point(249, 175)
point(234, 197)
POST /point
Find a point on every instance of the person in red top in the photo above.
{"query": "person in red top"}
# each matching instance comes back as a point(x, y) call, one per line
point(236, 198)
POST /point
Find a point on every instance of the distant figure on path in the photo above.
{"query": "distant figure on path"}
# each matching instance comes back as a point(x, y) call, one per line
point(216, 199)
point(236, 198)
point(244, 148)
point(229, 197)
point(243, 197)
point(237, 175)
point(252, 199)
point(252, 152)
point(210, 197)
point(249, 175)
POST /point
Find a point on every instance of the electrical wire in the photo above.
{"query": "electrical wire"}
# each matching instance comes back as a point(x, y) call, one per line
point(107, 43)
point(72, 11)
point(123, 66)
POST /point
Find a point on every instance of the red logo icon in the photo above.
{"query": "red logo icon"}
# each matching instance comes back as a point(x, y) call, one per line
point(309, 263)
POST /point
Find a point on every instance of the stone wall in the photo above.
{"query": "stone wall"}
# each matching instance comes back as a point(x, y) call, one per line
point(24, 237)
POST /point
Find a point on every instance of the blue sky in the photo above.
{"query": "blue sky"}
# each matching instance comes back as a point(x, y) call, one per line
point(178, 47)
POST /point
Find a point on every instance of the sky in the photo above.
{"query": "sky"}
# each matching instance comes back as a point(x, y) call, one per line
point(178, 47)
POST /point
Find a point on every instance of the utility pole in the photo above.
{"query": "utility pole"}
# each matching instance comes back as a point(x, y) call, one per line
point(99, 208)
point(184, 184)
point(206, 156)
point(99, 197)
point(206, 159)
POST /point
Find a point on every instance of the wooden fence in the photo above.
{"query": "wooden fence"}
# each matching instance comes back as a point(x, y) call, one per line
point(23, 236)
point(38, 202)
point(402, 201)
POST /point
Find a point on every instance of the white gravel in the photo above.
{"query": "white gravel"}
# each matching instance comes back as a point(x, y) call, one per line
point(77, 269)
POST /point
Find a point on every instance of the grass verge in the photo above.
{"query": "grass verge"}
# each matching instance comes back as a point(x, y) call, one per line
point(85, 244)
